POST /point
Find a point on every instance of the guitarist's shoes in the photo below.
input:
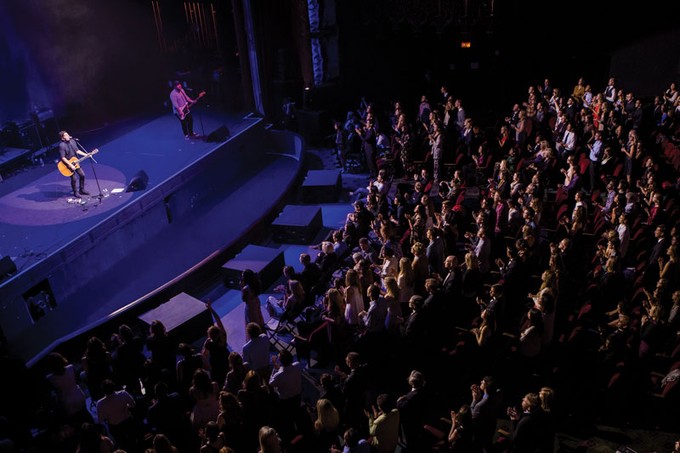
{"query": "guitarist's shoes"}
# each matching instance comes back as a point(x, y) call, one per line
point(194, 135)
point(76, 195)
point(84, 192)
point(186, 137)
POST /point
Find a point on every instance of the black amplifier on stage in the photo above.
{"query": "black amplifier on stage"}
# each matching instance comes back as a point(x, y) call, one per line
point(30, 136)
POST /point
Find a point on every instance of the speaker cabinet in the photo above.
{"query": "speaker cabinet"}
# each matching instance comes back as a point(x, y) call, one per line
point(138, 182)
point(218, 135)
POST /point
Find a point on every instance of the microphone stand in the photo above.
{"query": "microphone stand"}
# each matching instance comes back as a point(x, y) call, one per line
point(94, 172)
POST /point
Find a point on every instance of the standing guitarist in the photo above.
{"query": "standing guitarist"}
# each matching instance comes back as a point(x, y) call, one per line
point(180, 106)
point(68, 149)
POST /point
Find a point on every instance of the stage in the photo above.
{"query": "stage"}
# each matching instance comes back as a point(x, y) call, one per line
point(84, 262)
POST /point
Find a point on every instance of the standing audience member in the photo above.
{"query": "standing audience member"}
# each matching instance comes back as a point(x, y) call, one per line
point(96, 367)
point(215, 348)
point(70, 397)
point(163, 348)
point(383, 424)
point(529, 425)
point(412, 411)
point(485, 409)
point(250, 292)
point(204, 393)
point(94, 440)
point(256, 350)
point(114, 410)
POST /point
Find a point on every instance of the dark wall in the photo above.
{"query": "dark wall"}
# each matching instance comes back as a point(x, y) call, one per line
point(384, 54)
point(91, 60)
point(648, 65)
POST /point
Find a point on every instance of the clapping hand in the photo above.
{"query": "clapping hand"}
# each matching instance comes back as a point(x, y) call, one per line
point(476, 392)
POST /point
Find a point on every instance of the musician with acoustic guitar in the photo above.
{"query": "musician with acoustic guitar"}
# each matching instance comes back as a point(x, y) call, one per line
point(69, 152)
point(180, 107)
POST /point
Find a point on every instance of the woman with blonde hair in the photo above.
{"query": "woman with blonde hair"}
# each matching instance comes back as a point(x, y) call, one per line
point(354, 300)
point(472, 278)
point(394, 315)
point(270, 442)
point(290, 304)
point(327, 424)
point(420, 266)
point(405, 281)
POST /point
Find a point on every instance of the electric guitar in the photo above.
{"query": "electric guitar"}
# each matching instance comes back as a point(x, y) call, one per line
point(66, 170)
point(185, 110)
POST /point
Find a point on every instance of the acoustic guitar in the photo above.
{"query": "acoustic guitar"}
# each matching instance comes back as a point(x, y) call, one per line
point(66, 170)
point(185, 110)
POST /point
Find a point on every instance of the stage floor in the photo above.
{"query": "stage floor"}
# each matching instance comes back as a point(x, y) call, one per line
point(37, 212)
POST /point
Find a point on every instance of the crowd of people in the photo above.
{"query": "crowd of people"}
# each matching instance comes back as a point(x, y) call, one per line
point(525, 271)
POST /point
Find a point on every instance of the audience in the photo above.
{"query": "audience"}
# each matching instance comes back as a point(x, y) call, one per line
point(542, 260)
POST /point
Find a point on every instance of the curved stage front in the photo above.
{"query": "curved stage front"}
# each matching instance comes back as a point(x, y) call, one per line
point(98, 258)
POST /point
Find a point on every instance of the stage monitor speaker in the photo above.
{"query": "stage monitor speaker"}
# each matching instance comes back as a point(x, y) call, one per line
point(138, 182)
point(218, 135)
point(7, 267)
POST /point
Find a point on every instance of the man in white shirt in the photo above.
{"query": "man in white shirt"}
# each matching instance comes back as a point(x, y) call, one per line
point(624, 234)
point(180, 107)
point(566, 146)
point(596, 149)
point(287, 378)
point(286, 381)
point(114, 410)
point(256, 350)
point(610, 90)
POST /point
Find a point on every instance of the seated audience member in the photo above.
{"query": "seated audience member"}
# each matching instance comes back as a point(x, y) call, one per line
point(292, 303)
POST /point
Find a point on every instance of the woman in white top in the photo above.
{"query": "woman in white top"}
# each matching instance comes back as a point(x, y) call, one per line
point(353, 298)
point(204, 393)
point(405, 281)
point(390, 265)
point(671, 94)
point(394, 316)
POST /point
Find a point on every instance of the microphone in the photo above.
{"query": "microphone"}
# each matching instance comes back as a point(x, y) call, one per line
point(75, 138)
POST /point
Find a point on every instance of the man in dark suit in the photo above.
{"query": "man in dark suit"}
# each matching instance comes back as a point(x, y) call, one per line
point(412, 411)
point(167, 415)
point(452, 279)
point(310, 278)
point(355, 389)
point(651, 273)
point(513, 274)
point(530, 426)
